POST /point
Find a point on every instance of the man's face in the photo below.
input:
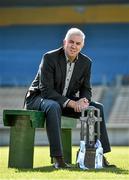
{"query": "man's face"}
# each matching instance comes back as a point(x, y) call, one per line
point(73, 46)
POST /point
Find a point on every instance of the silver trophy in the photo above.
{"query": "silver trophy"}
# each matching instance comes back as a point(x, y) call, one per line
point(90, 132)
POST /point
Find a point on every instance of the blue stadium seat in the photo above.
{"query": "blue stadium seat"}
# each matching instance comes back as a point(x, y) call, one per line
point(21, 49)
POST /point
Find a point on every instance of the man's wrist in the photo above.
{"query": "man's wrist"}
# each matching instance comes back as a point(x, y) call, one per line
point(65, 103)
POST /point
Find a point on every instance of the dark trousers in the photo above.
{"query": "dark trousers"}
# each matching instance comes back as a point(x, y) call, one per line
point(53, 114)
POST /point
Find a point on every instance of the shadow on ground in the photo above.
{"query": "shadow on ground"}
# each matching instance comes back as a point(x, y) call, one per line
point(47, 169)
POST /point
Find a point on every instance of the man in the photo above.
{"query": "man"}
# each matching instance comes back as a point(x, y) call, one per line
point(62, 74)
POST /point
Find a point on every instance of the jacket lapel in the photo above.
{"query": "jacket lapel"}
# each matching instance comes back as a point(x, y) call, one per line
point(62, 63)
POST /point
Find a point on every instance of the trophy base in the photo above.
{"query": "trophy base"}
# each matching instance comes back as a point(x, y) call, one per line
point(90, 158)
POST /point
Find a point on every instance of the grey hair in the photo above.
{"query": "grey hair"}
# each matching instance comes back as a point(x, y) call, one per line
point(75, 31)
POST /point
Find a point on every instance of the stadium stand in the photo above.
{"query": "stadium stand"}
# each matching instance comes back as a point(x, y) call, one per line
point(13, 97)
point(117, 123)
point(98, 92)
point(27, 33)
point(23, 48)
point(120, 110)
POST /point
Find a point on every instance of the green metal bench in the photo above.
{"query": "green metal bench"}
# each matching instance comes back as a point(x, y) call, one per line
point(22, 133)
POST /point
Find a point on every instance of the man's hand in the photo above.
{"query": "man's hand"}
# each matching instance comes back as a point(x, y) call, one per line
point(79, 105)
point(83, 102)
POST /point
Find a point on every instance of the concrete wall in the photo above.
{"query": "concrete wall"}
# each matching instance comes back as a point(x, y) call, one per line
point(118, 135)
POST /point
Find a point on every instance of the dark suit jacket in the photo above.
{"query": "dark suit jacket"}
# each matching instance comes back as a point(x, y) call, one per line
point(50, 79)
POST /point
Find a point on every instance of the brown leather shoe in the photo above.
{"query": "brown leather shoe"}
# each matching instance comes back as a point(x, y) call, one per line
point(106, 164)
point(59, 163)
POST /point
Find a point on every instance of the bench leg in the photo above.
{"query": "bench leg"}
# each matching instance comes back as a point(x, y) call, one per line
point(21, 147)
point(67, 145)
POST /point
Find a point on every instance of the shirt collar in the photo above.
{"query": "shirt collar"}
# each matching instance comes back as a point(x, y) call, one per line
point(67, 59)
